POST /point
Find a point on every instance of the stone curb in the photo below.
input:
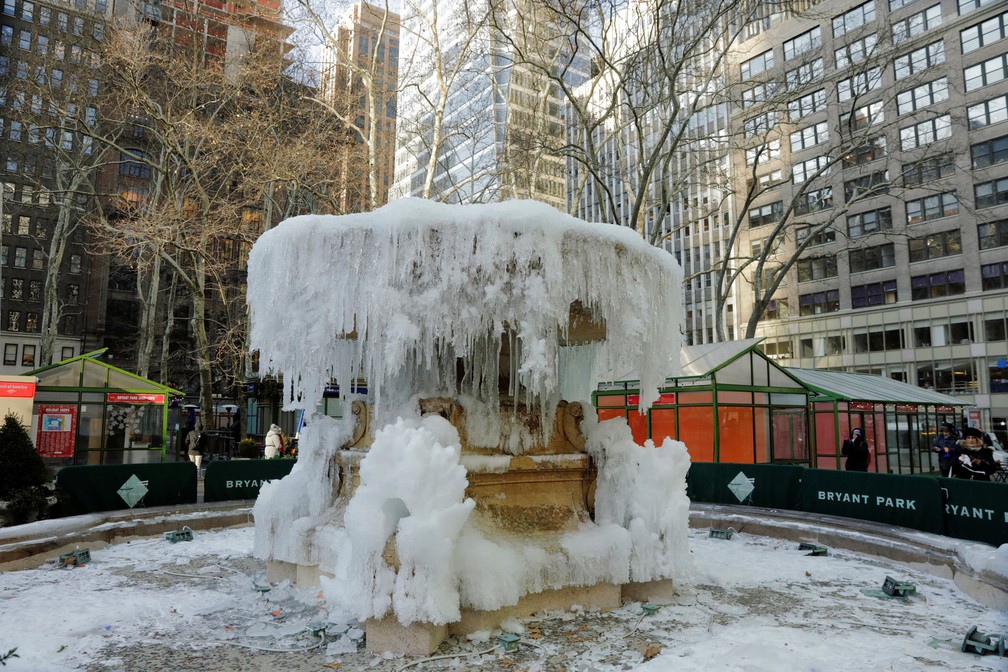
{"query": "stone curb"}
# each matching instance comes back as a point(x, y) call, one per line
point(31, 545)
point(942, 556)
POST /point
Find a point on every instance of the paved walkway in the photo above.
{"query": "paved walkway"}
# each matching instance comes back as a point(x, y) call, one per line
point(978, 569)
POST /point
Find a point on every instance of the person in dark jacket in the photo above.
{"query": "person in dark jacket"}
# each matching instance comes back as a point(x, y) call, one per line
point(857, 451)
point(976, 460)
point(947, 447)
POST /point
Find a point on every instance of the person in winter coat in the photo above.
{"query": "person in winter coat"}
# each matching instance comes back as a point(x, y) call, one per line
point(194, 444)
point(273, 443)
point(976, 460)
point(857, 451)
point(947, 447)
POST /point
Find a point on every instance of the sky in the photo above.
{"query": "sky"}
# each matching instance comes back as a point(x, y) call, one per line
point(752, 604)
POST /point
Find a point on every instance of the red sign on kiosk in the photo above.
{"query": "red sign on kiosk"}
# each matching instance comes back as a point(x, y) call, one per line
point(16, 389)
point(130, 398)
point(57, 427)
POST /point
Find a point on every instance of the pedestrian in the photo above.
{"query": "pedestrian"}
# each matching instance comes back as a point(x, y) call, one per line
point(976, 460)
point(195, 442)
point(274, 443)
point(857, 451)
point(182, 445)
point(946, 445)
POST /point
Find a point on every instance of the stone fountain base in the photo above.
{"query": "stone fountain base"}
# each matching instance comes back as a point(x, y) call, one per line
point(530, 500)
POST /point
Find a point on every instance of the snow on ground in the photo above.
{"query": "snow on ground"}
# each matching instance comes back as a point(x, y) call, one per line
point(757, 605)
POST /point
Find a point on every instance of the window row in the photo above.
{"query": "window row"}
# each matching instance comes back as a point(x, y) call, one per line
point(985, 33)
point(916, 24)
point(922, 96)
point(27, 352)
point(986, 73)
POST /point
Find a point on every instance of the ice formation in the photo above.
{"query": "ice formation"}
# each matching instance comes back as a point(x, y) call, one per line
point(400, 297)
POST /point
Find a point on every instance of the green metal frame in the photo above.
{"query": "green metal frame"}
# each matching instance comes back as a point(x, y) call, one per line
point(148, 387)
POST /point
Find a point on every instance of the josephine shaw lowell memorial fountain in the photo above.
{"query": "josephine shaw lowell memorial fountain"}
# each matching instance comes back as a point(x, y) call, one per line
point(472, 483)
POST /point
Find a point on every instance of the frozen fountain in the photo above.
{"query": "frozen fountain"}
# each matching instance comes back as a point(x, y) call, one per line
point(471, 483)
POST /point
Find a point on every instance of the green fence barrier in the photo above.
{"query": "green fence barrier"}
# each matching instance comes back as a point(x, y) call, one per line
point(241, 479)
point(976, 510)
point(895, 499)
point(108, 487)
point(771, 486)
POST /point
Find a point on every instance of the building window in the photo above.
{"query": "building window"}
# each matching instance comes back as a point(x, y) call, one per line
point(856, 52)
point(996, 329)
point(865, 116)
point(133, 163)
point(20, 257)
point(822, 236)
point(922, 96)
point(866, 152)
point(984, 34)
point(24, 40)
point(24, 226)
point(819, 302)
point(853, 19)
point(879, 340)
point(926, 132)
point(67, 353)
point(936, 285)
point(10, 354)
point(931, 207)
point(803, 43)
point(814, 201)
point(804, 74)
point(807, 170)
point(869, 222)
point(993, 234)
point(73, 294)
point(818, 268)
point(810, 137)
point(966, 6)
point(761, 123)
point(38, 259)
point(28, 356)
point(873, 294)
point(872, 258)
point(767, 151)
point(935, 246)
point(17, 289)
point(986, 194)
point(13, 320)
point(988, 72)
point(871, 184)
point(859, 84)
point(35, 290)
point(75, 263)
point(929, 169)
point(757, 65)
point(994, 276)
point(767, 214)
point(776, 309)
point(807, 104)
point(757, 94)
point(988, 112)
point(916, 24)
point(989, 153)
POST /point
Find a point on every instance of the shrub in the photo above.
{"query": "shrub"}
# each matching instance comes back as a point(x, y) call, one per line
point(248, 448)
point(21, 467)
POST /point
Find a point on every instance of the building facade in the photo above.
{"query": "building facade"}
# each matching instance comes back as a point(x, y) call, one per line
point(358, 80)
point(48, 52)
point(477, 122)
point(880, 130)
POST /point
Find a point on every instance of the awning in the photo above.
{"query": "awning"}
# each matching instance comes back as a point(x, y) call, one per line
point(839, 385)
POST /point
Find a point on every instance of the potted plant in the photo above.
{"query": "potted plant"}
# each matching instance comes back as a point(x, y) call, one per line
point(248, 449)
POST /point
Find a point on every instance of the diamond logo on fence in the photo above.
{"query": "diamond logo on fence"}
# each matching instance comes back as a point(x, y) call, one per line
point(132, 491)
point(742, 486)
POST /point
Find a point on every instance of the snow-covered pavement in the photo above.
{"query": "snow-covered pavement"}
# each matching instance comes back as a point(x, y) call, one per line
point(754, 604)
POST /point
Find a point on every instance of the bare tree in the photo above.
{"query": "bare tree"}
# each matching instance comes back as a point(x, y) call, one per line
point(220, 151)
